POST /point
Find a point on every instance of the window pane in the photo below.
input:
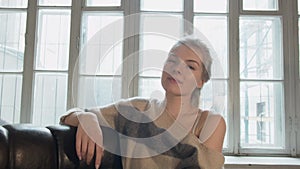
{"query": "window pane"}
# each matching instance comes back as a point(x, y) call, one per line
point(159, 5)
point(98, 91)
point(262, 115)
point(50, 98)
point(261, 48)
point(152, 60)
point(53, 40)
point(215, 6)
point(156, 41)
point(102, 44)
point(260, 5)
point(10, 100)
point(55, 2)
point(13, 3)
point(214, 96)
point(12, 40)
point(103, 2)
point(217, 34)
point(151, 88)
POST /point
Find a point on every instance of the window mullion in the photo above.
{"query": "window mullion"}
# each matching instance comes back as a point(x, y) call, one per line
point(188, 15)
point(297, 76)
point(74, 53)
point(296, 82)
point(136, 47)
point(27, 87)
point(290, 50)
point(234, 83)
point(130, 49)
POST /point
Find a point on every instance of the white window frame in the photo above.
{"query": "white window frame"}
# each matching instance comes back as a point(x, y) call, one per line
point(289, 84)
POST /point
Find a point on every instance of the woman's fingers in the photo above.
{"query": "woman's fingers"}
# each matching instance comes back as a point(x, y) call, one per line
point(89, 138)
point(84, 147)
point(83, 144)
point(99, 154)
point(90, 151)
point(78, 143)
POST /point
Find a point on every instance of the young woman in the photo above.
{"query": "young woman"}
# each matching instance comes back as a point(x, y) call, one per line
point(172, 133)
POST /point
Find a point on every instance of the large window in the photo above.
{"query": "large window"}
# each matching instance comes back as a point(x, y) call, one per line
point(12, 46)
point(56, 54)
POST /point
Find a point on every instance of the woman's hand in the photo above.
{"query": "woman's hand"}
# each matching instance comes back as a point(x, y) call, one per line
point(89, 138)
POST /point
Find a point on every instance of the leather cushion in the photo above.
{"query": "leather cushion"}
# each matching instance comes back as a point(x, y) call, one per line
point(31, 147)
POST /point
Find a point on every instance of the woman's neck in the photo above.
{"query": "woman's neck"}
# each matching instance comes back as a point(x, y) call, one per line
point(179, 104)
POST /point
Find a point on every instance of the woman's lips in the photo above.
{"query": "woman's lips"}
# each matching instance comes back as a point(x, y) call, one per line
point(173, 80)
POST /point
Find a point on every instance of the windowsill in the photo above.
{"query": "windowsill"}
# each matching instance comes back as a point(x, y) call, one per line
point(261, 161)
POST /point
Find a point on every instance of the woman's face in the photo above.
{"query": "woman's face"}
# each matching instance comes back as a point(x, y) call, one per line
point(182, 72)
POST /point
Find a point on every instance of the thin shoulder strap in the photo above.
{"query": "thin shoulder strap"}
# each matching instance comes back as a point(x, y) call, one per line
point(199, 123)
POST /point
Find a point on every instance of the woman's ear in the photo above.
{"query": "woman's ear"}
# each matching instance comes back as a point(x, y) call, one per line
point(200, 83)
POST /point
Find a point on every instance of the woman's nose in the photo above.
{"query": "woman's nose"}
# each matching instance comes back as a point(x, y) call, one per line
point(178, 68)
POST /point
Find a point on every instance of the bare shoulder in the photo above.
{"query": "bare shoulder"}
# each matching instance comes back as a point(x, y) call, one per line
point(217, 118)
point(216, 127)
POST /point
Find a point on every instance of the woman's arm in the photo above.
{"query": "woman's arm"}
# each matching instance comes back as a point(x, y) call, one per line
point(215, 141)
point(89, 136)
point(70, 119)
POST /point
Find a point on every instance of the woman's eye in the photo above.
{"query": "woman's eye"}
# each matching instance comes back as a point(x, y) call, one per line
point(191, 67)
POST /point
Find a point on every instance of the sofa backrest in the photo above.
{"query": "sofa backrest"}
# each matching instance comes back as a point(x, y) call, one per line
point(24, 146)
point(27, 147)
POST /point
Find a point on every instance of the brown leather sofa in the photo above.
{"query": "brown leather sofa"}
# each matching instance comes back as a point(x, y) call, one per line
point(24, 146)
